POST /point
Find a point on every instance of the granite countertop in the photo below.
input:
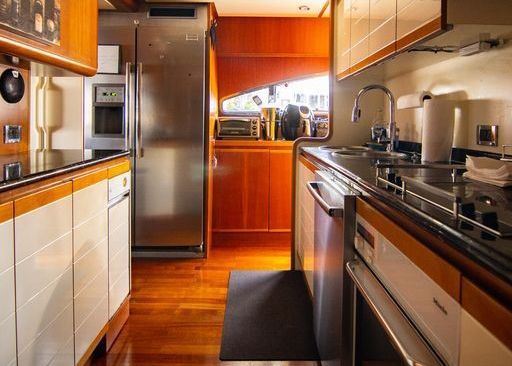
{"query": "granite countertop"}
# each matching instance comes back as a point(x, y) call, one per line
point(493, 253)
point(28, 167)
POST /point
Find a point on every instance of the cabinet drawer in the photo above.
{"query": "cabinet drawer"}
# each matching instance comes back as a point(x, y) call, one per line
point(90, 265)
point(50, 343)
point(6, 294)
point(89, 233)
point(39, 270)
point(118, 292)
point(65, 356)
point(119, 239)
point(90, 328)
point(89, 201)
point(46, 223)
point(89, 298)
point(6, 245)
point(118, 264)
point(8, 341)
point(39, 313)
point(119, 215)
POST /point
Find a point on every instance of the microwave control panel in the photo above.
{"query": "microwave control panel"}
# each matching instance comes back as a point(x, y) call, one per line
point(111, 94)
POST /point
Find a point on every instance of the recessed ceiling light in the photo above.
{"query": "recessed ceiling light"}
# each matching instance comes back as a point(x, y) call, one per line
point(304, 8)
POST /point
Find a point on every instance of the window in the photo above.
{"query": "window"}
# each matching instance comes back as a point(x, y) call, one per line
point(312, 91)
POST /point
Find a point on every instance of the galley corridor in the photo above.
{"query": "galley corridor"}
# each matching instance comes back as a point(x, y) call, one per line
point(177, 307)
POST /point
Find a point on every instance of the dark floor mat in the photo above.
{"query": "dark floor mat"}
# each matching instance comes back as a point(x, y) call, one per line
point(269, 316)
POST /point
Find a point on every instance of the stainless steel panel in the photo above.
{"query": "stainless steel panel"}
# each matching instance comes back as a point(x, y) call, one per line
point(118, 29)
point(169, 171)
point(333, 248)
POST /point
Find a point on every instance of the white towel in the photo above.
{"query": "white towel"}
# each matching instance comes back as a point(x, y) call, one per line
point(487, 170)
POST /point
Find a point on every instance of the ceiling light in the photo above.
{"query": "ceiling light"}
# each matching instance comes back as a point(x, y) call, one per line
point(304, 8)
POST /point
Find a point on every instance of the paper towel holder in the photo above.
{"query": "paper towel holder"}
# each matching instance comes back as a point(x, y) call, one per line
point(487, 135)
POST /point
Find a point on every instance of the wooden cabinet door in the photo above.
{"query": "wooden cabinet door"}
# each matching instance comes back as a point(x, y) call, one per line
point(240, 190)
point(77, 49)
point(382, 27)
point(7, 309)
point(44, 277)
point(280, 195)
point(359, 30)
point(414, 20)
point(343, 37)
point(90, 258)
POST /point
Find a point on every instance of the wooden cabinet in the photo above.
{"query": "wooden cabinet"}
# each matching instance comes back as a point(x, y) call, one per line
point(252, 185)
point(305, 228)
point(280, 189)
point(90, 258)
point(379, 29)
point(7, 310)
point(77, 50)
point(241, 189)
point(44, 276)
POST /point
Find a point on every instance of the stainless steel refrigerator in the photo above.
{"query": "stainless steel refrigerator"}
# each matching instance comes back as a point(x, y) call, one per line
point(163, 68)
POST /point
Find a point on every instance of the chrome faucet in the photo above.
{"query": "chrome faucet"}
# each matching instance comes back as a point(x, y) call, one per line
point(356, 112)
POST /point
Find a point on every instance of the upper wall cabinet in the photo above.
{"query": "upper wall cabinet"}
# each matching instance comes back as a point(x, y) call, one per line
point(369, 31)
point(63, 33)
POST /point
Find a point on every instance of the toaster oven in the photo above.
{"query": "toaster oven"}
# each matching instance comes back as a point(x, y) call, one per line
point(238, 127)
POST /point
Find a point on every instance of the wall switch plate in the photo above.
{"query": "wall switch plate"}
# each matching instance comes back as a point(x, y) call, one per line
point(12, 171)
point(12, 134)
point(487, 135)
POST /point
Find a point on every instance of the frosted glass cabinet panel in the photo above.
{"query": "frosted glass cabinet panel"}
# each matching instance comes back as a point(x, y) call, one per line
point(382, 25)
point(7, 308)
point(359, 30)
point(343, 36)
point(413, 14)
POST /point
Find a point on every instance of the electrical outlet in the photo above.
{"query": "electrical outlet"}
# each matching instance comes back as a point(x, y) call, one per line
point(12, 134)
point(487, 135)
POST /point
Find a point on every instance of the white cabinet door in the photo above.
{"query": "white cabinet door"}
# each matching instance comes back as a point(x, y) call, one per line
point(306, 219)
point(119, 254)
point(44, 278)
point(90, 261)
point(343, 36)
point(7, 306)
point(359, 30)
point(413, 14)
point(479, 347)
point(382, 25)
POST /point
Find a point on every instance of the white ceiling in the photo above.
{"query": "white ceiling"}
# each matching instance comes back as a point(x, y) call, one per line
point(271, 8)
point(289, 8)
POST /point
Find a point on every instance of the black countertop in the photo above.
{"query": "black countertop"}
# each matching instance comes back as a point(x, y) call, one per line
point(31, 166)
point(492, 252)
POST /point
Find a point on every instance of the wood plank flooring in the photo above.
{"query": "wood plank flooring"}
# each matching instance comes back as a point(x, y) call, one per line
point(177, 307)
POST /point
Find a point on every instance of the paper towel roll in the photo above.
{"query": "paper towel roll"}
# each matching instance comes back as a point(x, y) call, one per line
point(415, 100)
point(437, 130)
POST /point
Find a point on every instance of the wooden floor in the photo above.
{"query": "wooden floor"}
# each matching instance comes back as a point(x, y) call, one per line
point(177, 307)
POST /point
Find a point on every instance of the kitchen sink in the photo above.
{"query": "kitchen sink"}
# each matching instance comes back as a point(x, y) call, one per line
point(344, 148)
point(370, 154)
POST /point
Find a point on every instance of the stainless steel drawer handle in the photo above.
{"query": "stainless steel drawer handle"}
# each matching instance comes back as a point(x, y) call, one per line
point(314, 189)
point(401, 333)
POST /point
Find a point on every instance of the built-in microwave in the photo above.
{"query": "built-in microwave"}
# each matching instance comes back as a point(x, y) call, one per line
point(238, 127)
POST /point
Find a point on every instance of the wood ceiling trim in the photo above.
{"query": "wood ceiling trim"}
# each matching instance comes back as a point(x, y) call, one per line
point(126, 5)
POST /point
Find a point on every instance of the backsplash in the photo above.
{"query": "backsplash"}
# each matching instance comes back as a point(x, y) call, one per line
point(15, 113)
point(480, 84)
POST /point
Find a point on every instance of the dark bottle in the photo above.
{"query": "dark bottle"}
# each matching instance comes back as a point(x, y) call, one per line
point(5, 11)
point(16, 13)
point(49, 30)
point(38, 16)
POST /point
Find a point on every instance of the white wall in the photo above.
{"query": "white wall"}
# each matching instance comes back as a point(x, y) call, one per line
point(482, 86)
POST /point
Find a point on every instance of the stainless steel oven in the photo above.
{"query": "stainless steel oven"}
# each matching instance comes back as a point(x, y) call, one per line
point(400, 315)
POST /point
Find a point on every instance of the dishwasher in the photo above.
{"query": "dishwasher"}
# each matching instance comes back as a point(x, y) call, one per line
point(119, 241)
point(335, 215)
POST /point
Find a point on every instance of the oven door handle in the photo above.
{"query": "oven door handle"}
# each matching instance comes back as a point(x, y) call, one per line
point(333, 211)
point(401, 332)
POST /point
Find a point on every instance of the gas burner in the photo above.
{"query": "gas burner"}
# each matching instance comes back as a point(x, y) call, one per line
point(442, 186)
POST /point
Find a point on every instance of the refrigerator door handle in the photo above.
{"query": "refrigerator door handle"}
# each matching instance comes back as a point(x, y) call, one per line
point(128, 106)
point(139, 153)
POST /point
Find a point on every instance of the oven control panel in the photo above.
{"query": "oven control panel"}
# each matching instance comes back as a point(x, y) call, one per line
point(109, 94)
